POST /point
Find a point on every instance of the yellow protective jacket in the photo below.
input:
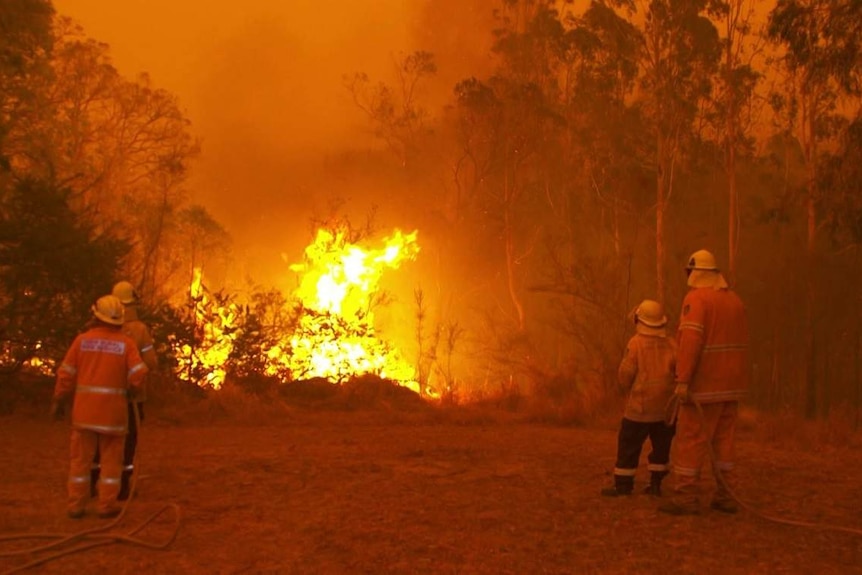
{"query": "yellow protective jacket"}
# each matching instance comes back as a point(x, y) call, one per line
point(100, 368)
point(140, 334)
point(713, 345)
point(648, 369)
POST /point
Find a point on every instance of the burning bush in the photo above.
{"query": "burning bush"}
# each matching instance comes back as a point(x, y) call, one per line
point(326, 331)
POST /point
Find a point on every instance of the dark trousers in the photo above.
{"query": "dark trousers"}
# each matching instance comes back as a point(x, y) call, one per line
point(630, 442)
point(131, 446)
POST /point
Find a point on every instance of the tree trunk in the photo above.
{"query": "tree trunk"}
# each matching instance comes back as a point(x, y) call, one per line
point(811, 212)
point(731, 147)
point(509, 241)
point(661, 201)
point(857, 392)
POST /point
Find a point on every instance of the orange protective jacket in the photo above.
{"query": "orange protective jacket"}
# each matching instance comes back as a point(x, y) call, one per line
point(100, 369)
point(713, 345)
point(648, 369)
point(140, 334)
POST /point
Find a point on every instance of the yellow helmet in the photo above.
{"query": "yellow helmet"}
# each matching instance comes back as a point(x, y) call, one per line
point(125, 292)
point(651, 314)
point(702, 260)
point(109, 309)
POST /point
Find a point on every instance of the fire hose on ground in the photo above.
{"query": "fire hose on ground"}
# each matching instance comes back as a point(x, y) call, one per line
point(671, 412)
point(66, 544)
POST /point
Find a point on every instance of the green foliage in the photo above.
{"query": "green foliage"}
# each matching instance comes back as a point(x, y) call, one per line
point(52, 267)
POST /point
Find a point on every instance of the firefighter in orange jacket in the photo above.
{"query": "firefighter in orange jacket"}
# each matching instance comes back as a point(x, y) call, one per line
point(711, 370)
point(647, 371)
point(140, 334)
point(102, 368)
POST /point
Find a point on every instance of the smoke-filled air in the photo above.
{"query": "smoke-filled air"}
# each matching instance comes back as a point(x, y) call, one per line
point(552, 165)
point(405, 286)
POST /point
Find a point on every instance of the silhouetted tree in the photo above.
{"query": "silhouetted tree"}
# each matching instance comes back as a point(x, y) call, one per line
point(396, 112)
point(817, 67)
point(735, 87)
point(679, 57)
point(53, 267)
point(26, 41)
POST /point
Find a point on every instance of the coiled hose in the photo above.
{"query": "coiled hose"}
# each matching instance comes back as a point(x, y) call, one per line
point(65, 544)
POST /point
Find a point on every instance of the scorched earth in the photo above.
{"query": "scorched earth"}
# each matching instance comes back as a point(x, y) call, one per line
point(425, 491)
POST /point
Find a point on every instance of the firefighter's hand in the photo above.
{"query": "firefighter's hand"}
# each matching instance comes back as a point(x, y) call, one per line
point(681, 391)
point(58, 410)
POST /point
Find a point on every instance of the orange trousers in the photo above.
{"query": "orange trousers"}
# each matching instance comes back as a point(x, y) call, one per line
point(84, 445)
point(693, 436)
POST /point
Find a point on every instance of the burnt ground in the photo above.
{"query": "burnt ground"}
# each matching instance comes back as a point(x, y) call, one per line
point(380, 492)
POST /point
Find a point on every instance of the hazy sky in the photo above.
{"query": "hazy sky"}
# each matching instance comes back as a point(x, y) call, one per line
point(243, 62)
point(262, 83)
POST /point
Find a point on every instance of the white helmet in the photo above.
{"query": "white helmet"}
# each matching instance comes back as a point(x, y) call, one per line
point(651, 314)
point(109, 309)
point(125, 292)
point(703, 271)
point(702, 260)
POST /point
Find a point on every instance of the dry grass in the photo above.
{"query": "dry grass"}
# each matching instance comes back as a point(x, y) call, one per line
point(789, 430)
point(392, 490)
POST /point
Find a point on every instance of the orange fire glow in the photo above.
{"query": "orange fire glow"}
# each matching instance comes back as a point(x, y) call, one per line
point(335, 337)
point(216, 325)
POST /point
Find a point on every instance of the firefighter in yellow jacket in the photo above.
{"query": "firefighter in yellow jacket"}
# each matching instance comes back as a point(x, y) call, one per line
point(647, 371)
point(140, 334)
point(101, 369)
point(712, 373)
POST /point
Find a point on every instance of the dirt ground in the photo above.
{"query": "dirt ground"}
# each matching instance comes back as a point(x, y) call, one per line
point(377, 493)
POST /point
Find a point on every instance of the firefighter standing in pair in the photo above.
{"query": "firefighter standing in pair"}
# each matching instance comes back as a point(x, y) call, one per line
point(140, 334)
point(101, 369)
point(711, 370)
point(647, 370)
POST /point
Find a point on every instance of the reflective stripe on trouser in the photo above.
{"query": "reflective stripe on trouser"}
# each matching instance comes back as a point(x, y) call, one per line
point(690, 448)
point(83, 448)
point(131, 443)
point(630, 442)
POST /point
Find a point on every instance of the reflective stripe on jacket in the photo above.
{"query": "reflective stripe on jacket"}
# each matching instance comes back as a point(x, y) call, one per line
point(100, 367)
point(713, 345)
point(648, 368)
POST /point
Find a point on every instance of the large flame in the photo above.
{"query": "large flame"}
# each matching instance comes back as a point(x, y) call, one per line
point(214, 324)
point(339, 282)
point(335, 336)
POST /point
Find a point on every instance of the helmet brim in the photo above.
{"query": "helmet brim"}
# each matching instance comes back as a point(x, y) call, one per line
point(106, 318)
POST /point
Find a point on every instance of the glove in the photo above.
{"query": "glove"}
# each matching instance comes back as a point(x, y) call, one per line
point(681, 391)
point(58, 410)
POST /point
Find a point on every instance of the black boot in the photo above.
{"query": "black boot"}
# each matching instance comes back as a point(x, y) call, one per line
point(94, 480)
point(125, 486)
point(655, 479)
point(623, 485)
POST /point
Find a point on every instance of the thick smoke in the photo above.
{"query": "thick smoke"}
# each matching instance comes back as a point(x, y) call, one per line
point(262, 83)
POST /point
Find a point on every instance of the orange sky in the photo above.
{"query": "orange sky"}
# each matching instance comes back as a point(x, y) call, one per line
point(261, 82)
point(250, 58)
